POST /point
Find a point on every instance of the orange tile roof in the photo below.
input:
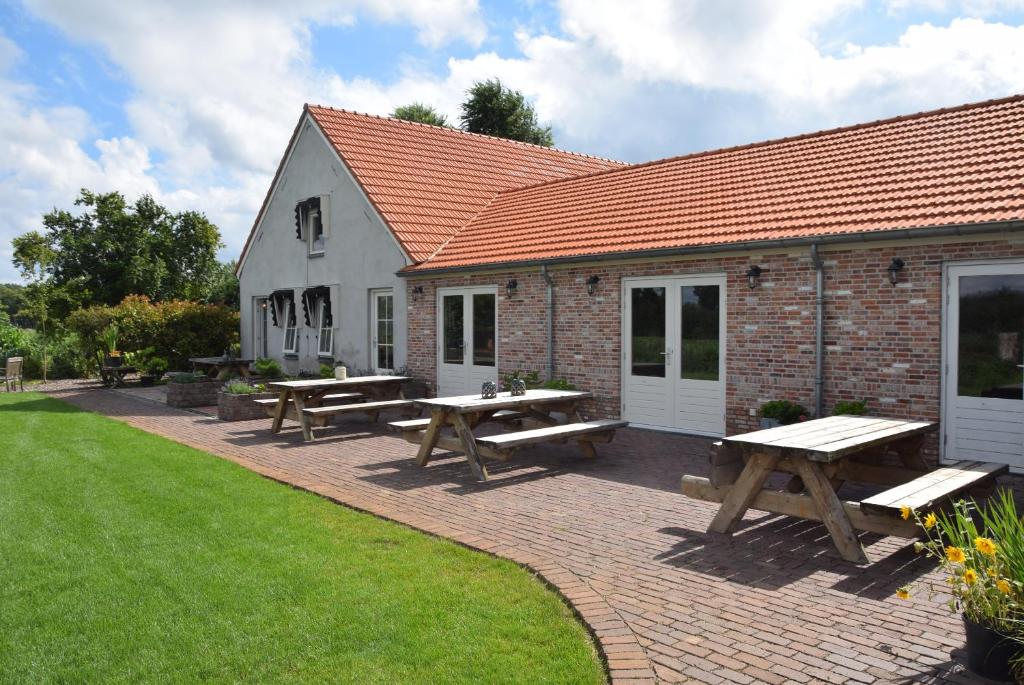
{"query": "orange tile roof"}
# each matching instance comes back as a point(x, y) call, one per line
point(427, 182)
point(962, 165)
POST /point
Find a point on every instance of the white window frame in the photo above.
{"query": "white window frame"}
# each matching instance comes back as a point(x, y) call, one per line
point(326, 332)
point(375, 318)
point(314, 249)
point(291, 327)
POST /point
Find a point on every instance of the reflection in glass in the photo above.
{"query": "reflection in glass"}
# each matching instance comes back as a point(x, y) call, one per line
point(648, 331)
point(453, 328)
point(385, 332)
point(990, 335)
point(483, 330)
point(699, 334)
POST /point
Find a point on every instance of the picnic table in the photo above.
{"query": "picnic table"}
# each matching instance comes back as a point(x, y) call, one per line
point(304, 400)
point(821, 455)
point(464, 413)
point(215, 366)
point(113, 376)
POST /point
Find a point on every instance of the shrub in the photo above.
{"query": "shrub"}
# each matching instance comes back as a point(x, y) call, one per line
point(533, 381)
point(784, 411)
point(326, 371)
point(268, 368)
point(853, 407)
point(237, 387)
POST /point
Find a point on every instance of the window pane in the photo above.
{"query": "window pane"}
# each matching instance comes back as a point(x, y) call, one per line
point(385, 357)
point(483, 330)
point(648, 331)
point(452, 326)
point(991, 330)
point(699, 334)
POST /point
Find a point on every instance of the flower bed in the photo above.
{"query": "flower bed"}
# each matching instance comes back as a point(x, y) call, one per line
point(240, 407)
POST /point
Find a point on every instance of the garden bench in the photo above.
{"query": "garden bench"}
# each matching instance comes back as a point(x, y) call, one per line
point(13, 375)
point(932, 489)
point(585, 433)
point(505, 415)
point(372, 409)
point(270, 404)
point(294, 397)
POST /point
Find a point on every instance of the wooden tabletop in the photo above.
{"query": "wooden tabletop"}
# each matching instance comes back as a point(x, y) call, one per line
point(219, 360)
point(317, 383)
point(465, 404)
point(831, 438)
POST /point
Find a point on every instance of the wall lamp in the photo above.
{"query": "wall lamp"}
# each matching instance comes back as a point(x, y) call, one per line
point(895, 267)
point(754, 276)
point(592, 284)
point(511, 287)
point(417, 290)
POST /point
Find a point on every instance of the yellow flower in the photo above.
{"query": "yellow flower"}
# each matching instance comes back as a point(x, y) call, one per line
point(1003, 586)
point(985, 546)
point(903, 593)
point(929, 521)
point(905, 512)
point(951, 580)
point(970, 577)
point(991, 572)
point(955, 554)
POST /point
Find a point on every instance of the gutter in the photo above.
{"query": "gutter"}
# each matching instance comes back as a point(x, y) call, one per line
point(819, 332)
point(952, 230)
point(551, 320)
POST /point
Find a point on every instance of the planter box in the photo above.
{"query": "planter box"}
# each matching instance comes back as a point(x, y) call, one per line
point(199, 394)
point(232, 407)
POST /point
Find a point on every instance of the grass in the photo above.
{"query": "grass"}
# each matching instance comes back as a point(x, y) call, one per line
point(125, 557)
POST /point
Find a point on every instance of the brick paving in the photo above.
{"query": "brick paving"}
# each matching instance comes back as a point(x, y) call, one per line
point(666, 602)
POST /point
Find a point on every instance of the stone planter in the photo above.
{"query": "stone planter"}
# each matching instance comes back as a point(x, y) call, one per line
point(202, 393)
point(235, 407)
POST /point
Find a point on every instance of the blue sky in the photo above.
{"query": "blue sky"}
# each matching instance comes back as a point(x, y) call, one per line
point(193, 102)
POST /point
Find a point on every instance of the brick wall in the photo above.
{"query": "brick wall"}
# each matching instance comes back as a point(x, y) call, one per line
point(883, 343)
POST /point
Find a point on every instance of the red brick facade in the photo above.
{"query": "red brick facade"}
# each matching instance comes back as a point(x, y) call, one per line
point(883, 343)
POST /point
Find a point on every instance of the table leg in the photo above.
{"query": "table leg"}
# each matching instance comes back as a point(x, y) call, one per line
point(304, 422)
point(832, 513)
point(282, 405)
point(586, 446)
point(430, 437)
point(469, 446)
point(743, 492)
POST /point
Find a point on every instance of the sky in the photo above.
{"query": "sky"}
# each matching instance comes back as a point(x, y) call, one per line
point(193, 101)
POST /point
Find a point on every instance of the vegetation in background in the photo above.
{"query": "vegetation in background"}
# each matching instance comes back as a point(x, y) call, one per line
point(240, 387)
point(129, 558)
point(420, 113)
point(533, 381)
point(783, 411)
point(12, 302)
point(495, 110)
point(268, 368)
point(851, 407)
point(326, 371)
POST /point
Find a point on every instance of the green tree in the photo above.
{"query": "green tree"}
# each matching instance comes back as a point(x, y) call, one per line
point(495, 110)
point(12, 301)
point(420, 113)
point(35, 258)
point(113, 249)
point(223, 286)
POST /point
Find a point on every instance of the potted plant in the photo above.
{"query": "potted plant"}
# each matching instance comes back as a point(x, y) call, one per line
point(850, 408)
point(981, 551)
point(267, 368)
point(781, 413)
point(112, 358)
point(153, 369)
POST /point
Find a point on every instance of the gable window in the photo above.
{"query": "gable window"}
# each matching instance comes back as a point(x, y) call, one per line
point(311, 223)
point(291, 337)
point(325, 348)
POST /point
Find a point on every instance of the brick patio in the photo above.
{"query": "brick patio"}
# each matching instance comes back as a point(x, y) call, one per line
point(666, 602)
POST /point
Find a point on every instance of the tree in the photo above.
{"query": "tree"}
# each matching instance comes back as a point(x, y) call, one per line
point(495, 110)
point(35, 259)
point(420, 113)
point(113, 249)
point(223, 287)
point(12, 302)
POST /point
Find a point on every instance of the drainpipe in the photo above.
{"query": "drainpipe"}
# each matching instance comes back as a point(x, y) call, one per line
point(551, 320)
point(819, 332)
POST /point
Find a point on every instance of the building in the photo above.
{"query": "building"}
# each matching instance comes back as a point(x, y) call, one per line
point(881, 262)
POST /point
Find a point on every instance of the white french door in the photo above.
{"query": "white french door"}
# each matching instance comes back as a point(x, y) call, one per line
point(467, 339)
point(260, 328)
point(673, 371)
point(382, 330)
point(983, 399)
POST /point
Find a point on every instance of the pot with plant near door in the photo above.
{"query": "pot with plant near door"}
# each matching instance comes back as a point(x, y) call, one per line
point(112, 356)
point(781, 413)
point(980, 549)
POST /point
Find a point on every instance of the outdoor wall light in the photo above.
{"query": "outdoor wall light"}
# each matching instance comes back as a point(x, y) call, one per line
point(754, 276)
point(511, 286)
point(895, 267)
point(592, 284)
point(417, 290)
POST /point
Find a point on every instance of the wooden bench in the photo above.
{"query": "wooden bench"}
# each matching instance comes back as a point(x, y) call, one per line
point(412, 425)
point(270, 405)
point(585, 433)
point(372, 409)
point(933, 488)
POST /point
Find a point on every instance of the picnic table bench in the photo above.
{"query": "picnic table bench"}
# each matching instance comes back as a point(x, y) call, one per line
point(303, 401)
point(222, 367)
point(464, 413)
point(821, 455)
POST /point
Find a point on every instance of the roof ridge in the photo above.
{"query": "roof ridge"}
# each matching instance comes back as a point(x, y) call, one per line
point(584, 155)
point(770, 141)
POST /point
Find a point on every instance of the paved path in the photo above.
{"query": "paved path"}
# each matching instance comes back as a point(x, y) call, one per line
point(666, 602)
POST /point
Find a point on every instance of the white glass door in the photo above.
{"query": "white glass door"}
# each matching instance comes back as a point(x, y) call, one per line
point(983, 408)
point(467, 339)
point(260, 316)
point(382, 331)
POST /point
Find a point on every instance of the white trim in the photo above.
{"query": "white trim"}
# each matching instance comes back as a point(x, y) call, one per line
point(289, 315)
point(323, 330)
point(374, 320)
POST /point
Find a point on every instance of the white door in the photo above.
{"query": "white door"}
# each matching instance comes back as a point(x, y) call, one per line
point(382, 330)
point(983, 407)
point(674, 354)
point(467, 339)
point(260, 315)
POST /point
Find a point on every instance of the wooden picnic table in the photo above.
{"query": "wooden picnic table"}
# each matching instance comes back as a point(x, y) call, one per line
point(230, 366)
point(820, 455)
point(464, 413)
point(294, 397)
point(113, 376)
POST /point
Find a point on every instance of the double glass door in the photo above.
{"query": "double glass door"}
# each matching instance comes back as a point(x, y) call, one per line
point(467, 339)
point(674, 354)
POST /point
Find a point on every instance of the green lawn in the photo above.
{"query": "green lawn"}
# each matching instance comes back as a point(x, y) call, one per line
point(125, 557)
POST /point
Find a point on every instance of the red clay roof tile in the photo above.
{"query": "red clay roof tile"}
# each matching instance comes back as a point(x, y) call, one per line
point(951, 166)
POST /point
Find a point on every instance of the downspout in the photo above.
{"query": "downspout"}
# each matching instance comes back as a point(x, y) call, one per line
point(819, 332)
point(551, 320)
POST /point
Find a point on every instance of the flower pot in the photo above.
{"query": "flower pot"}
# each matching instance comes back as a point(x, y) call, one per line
point(147, 381)
point(112, 362)
point(989, 652)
